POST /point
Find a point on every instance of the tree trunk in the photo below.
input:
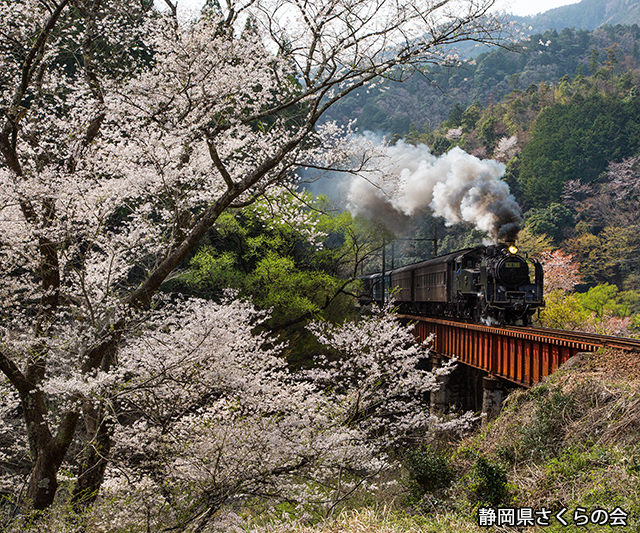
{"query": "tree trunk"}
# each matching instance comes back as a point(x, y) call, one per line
point(43, 483)
point(49, 452)
point(95, 460)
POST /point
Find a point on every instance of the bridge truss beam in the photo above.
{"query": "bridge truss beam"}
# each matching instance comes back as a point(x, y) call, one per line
point(522, 356)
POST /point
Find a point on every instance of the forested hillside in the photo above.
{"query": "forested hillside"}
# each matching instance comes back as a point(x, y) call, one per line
point(426, 100)
point(571, 150)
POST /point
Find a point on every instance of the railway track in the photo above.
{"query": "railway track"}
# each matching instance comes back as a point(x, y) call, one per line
point(604, 341)
point(593, 339)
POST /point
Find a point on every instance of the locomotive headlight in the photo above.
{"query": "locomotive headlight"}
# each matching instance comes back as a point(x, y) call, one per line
point(513, 249)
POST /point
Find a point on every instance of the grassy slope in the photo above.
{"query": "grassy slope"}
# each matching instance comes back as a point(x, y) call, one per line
point(574, 440)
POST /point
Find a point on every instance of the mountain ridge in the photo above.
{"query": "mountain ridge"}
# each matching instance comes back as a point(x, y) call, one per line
point(585, 15)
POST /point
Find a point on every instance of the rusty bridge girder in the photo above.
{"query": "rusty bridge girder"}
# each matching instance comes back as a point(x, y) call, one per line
point(519, 355)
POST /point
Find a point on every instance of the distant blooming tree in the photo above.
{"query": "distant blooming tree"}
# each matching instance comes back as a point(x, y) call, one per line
point(561, 275)
point(560, 271)
point(614, 202)
point(506, 148)
point(602, 309)
point(124, 134)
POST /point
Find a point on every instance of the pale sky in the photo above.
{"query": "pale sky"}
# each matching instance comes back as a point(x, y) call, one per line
point(517, 7)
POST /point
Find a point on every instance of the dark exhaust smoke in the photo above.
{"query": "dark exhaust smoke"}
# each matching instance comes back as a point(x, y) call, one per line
point(456, 186)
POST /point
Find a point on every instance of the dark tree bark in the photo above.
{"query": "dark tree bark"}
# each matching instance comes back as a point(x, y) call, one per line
point(94, 460)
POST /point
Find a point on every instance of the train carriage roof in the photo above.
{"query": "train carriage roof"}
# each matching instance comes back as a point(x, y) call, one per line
point(446, 258)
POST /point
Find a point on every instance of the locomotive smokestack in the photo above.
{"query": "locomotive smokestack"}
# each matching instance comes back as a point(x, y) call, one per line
point(456, 186)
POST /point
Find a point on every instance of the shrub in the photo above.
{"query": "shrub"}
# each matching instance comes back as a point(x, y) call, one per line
point(540, 439)
point(428, 471)
point(489, 482)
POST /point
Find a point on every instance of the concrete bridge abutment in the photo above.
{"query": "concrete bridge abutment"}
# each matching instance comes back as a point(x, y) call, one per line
point(493, 394)
point(468, 389)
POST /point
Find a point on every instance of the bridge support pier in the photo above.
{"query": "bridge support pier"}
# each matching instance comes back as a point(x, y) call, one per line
point(492, 398)
point(467, 389)
point(439, 400)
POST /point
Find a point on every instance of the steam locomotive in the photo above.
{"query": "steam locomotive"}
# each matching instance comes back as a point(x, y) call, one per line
point(488, 284)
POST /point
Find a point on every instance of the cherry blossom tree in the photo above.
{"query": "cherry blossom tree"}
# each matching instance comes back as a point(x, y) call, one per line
point(124, 134)
point(506, 149)
point(561, 272)
point(205, 413)
point(614, 201)
point(225, 418)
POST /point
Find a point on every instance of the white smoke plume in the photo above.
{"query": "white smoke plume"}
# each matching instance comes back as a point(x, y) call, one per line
point(456, 186)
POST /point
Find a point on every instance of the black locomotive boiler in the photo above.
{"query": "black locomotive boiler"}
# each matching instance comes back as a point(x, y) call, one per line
point(490, 284)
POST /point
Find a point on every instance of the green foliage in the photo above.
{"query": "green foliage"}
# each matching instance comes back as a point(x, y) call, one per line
point(551, 221)
point(455, 116)
point(489, 482)
point(471, 116)
point(290, 291)
point(511, 176)
point(604, 256)
point(429, 471)
point(600, 300)
point(576, 141)
point(487, 131)
point(214, 271)
point(602, 309)
point(574, 462)
point(542, 437)
point(298, 262)
point(534, 245)
point(606, 299)
point(440, 145)
point(563, 311)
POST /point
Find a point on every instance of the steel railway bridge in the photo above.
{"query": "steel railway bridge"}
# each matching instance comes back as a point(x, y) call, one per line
point(513, 355)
